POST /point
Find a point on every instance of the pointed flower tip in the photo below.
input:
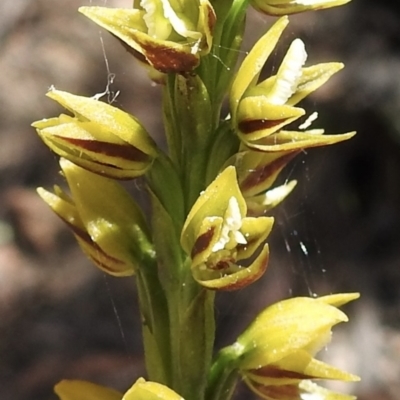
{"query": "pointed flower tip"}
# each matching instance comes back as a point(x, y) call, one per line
point(148, 390)
point(340, 299)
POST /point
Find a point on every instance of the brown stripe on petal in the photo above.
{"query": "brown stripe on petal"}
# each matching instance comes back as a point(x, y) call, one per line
point(212, 18)
point(287, 392)
point(163, 58)
point(254, 125)
point(203, 241)
point(84, 236)
point(250, 278)
point(168, 60)
point(126, 152)
point(270, 371)
point(130, 50)
point(106, 267)
point(258, 175)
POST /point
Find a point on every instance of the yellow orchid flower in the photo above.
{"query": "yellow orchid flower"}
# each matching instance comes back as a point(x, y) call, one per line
point(99, 137)
point(217, 235)
point(141, 390)
point(276, 351)
point(260, 110)
point(169, 35)
point(111, 236)
point(286, 7)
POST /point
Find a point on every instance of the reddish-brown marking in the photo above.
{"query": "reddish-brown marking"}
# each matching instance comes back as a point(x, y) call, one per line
point(126, 152)
point(278, 391)
point(202, 242)
point(262, 174)
point(212, 18)
point(254, 125)
point(271, 371)
point(163, 58)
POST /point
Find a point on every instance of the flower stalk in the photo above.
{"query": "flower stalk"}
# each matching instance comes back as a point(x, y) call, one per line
point(210, 192)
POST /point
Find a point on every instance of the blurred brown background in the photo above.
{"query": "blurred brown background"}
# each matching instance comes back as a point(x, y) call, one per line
point(62, 318)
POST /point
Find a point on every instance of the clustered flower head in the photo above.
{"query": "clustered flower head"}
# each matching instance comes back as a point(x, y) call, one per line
point(209, 193)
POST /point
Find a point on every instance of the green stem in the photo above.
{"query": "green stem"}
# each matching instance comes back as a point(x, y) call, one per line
point(192, 338)
point(223, 375)
point(171, 122)
point(155, 325)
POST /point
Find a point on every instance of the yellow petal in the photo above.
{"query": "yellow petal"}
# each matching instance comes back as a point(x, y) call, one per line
point(287, 327)
point(213, 202)
point(312, 78)
point(121, 124)
point(127, 25)
point(258, 119)
point(143, 390)
point(259, 205)
point(287, 7)
point(235, 277)
point(254, 62)
point(81, 390)
point(295, 140)
point(339, 299)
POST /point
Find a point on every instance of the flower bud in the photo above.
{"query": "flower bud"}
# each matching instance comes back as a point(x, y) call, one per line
point(217, 235)
point(275, 353)
point(169, 35)
point(113, 237)
point(99, 137)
